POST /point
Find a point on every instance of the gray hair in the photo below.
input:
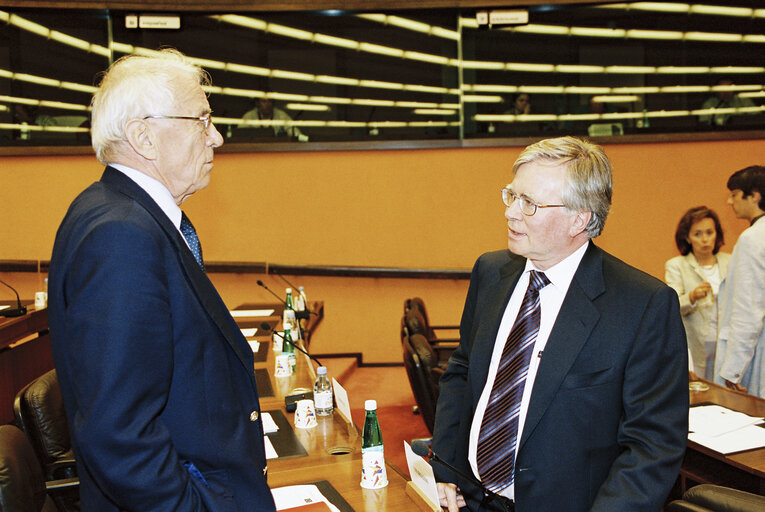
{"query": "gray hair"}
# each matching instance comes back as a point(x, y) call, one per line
point(589, 182)
point(136, 86)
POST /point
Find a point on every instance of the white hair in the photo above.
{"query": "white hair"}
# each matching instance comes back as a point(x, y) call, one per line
point(136, 86)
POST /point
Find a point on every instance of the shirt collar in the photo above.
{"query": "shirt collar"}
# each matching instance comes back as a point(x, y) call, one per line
point(562, 273)
point(156, 190)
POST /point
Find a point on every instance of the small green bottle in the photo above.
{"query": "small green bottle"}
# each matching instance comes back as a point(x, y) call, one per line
point(373, 472)
point(289, 348)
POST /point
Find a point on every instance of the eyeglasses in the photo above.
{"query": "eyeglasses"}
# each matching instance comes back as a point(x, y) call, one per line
point(528, 207)
point(206, 119)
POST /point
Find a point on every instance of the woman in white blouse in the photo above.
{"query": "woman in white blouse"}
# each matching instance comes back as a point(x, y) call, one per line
point(696, 277)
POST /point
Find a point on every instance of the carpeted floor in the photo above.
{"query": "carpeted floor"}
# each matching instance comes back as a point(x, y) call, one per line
point(390, 387)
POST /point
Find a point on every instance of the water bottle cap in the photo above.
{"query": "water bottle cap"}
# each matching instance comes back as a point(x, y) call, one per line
point(321, 370)
point(370, 405)
point(288, 290)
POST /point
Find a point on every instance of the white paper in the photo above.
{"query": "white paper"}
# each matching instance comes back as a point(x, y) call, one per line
point(269, 425)
point(298, 495)
point(238, 313)
point(341, 397)
point(249, 332)
point(715, 420)
point(747, 438)
point(4, 306)
point(422, 475)
point(254, 345)
point(270, 451)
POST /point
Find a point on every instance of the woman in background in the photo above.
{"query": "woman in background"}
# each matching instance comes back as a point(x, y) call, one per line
point(696, 277)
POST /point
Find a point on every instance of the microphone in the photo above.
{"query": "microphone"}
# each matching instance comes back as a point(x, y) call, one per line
point(422, 448)
point(266, 327)
point(18, 310)
point(298, 314)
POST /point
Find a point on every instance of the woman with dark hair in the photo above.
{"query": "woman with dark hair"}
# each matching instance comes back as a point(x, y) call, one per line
point(696, 276)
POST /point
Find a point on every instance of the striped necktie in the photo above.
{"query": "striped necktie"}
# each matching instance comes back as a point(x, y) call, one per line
point(499, 429)
point(190, 234)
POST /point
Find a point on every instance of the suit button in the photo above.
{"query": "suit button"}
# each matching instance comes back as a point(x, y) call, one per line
point(254, 416)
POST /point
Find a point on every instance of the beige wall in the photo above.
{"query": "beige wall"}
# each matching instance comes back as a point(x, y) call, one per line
point(397, 208)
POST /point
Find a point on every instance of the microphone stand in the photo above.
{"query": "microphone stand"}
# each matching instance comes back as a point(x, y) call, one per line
point(298, 314)
point(488, 495)
point(266, 327)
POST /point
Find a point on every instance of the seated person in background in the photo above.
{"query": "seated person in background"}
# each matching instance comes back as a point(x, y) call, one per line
point(521, 105)
point(696, 276)
point(282, 127)
point(723, 99)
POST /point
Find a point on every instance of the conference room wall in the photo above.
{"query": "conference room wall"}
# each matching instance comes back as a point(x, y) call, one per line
point(428, 208)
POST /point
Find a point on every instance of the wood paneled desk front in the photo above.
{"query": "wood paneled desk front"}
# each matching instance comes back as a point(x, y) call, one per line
point(334, 446)
point(745, 470)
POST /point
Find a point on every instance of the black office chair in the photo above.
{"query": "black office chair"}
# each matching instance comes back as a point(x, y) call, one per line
point(420, 361)
point(39, 411)
point(418, 304)
point(22, 486)
point(414, 323)
point(715, 498)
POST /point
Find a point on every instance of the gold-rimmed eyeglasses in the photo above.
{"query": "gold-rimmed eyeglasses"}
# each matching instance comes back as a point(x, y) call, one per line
point(528, 207)
point(206, 119)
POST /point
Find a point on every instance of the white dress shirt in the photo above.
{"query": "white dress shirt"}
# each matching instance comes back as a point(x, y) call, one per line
point(550, 299)
point(157, 191)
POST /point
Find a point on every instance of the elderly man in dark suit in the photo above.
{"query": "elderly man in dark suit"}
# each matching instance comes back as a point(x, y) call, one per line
point(569, 389)
point(157, 379)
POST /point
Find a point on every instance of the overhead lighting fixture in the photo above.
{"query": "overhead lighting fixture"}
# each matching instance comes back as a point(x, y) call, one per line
point(331, 99)
point(718, 10)
point(426, 57)
point(482, 64)
point(598, 32)
point(380, 49)
point(381, 85)
point(247, 70)
point(683, 70)
point(338, 80)
point(434, 112)
point(550, 30)
point(294, 33)
point(737, 69)
point(307, 106)
point(336, 41)
point(527, 66)
point(713, 36)
point(615, 99)
point(578, 68)
point(654, 34)
point(586, 90)
point(373, 103)
point(480, 98)
point(630, 69)
point(292, 75)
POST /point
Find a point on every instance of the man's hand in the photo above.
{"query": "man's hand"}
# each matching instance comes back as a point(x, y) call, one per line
point(450, 497)
point(734, 386)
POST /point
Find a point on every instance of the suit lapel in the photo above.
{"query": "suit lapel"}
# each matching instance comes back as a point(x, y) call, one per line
point(493, 308)
point(201, 284)
point(576, 320)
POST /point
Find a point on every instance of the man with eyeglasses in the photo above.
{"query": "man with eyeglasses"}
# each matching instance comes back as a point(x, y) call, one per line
point(157, 379)
point(568, 390)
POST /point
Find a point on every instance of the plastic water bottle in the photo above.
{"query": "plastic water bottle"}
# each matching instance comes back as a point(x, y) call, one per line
point(322, 393)
point(373, 472)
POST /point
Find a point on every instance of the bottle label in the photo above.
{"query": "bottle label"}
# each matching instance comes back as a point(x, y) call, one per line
point(323, 399)
point(373, 474)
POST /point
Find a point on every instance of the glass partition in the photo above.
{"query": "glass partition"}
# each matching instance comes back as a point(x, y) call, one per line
point(598, 70)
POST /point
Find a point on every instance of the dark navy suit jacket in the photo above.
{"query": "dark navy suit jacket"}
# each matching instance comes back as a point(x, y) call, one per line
point(157, 379)
point(607, 421)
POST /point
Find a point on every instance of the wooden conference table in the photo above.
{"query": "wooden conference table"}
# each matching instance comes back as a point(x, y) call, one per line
point(745, 470)
point(333, 447)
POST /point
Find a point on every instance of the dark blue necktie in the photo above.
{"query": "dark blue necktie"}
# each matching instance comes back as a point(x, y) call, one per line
point(190, 234)
point(499, 429)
